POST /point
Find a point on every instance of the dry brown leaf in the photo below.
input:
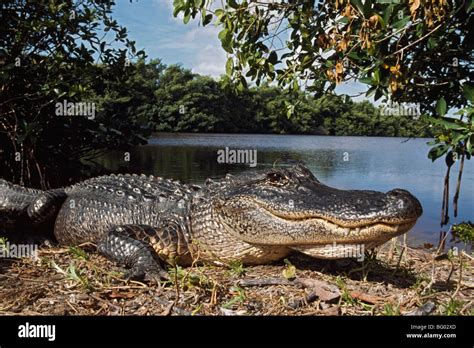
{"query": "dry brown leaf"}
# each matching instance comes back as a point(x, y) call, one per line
point(366, 297)
point(414, 5)
point(121, 295)
point(324, 290)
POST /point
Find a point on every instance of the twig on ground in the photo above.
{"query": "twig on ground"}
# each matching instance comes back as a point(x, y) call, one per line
point(172, 307)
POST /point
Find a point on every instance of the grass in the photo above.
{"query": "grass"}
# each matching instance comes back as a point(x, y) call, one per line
point(78, 253)
point(345, 295)
point(3, 243)
point(420, 282)
point(236, 268)
point(464, 232)
point(453, 307)
point(188, 278)
point(238, 298)
point(73, 274)
point(391, 310)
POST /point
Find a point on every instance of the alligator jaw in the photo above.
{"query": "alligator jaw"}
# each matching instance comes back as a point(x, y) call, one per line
point(350, 245)
point(363, 233)
point(351, 226)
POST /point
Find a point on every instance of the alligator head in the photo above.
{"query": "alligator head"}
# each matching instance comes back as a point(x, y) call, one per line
point(290, 207)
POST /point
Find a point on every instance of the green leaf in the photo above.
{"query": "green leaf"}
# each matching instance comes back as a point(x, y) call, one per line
point(273, 58)
point(382, 21)
point(358, 4)
point(432, 43)
point(223, 35)
point(242, 84)
point(233, 4)
point(470, 6)
point(446, 122)
point(468, 92)
point(378, 94)
point(441, 106)
point(308, 60)
point(295, 86)
point(343, 20)
point(367, 81)
point(437, 151)
point(329, 64)
point(177, 9)
point(354, 56)
point(229, 66)
point(226, 37)
point(387, 13)
point(207, 19)
point(371, 91)
point(401, 23)
point(376, 78)
point(186, 18)
point(457, 137)
point(290, 270)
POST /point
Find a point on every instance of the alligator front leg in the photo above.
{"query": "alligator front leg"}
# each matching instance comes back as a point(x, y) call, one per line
point(142, 247)
point(129, 245)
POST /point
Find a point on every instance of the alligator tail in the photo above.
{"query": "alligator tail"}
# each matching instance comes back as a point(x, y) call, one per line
point(21, 206)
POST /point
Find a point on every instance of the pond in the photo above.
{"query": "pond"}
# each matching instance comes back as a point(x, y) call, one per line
point(375, 163)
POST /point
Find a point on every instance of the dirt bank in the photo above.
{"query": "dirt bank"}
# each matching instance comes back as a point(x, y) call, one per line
point(75, 281)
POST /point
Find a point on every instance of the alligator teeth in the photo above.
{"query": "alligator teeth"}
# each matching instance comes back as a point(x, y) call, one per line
point(347, 231)
point(357, 230)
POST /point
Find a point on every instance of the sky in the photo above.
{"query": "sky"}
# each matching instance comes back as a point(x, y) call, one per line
point(151, 24)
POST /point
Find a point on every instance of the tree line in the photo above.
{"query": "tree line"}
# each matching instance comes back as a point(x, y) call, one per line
point(187, 102)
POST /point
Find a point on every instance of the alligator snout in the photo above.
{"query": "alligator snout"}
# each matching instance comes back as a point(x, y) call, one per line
point(404, 204)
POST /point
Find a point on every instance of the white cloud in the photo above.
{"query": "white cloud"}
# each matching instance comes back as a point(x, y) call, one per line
point(197, 47)
point(201, 44)
point(210, 61)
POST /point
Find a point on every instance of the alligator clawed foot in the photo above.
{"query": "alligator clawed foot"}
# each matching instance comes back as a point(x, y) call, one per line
point(147, 273)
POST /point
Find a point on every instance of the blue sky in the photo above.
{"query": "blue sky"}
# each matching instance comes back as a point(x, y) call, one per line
point(151, 24)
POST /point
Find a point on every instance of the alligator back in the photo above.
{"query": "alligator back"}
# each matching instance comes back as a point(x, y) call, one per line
point(97, 205)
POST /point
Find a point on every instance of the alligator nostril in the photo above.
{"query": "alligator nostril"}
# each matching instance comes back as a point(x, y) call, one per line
point(303, 189)
point(398, 192)
point(405, 201)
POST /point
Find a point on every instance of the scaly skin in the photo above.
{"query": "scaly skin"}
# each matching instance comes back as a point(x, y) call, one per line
point(254, 217)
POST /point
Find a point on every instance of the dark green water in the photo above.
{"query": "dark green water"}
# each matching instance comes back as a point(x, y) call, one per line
point(374, 163)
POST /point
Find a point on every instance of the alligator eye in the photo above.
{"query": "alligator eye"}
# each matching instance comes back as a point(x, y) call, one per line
point(275, 178)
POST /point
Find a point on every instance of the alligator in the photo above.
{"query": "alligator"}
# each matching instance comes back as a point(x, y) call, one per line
point(144, 221)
